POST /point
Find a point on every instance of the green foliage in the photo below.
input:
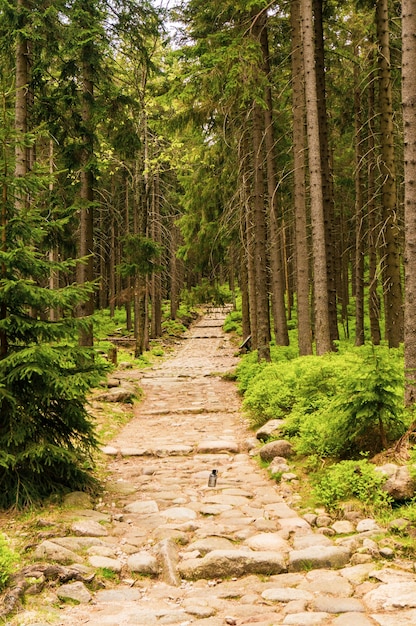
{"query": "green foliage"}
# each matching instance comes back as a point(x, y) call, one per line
point(7, 561)
point(336, 405)
point(141, 254)
point(207, 292)
point(232, 323)
point(173, 328)
point(349, 480)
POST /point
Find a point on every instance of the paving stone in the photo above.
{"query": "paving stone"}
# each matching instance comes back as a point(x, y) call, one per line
point(330, 604)
point(318, 556)
point(392, 596)
point(76, 591)
point(225, 563)
point(306, 619)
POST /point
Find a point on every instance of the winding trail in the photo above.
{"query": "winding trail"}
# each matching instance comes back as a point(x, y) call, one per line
point(237, 553)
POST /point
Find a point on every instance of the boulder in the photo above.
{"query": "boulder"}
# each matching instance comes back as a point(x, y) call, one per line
point(230, 563)
point(400, 485)
point(269, 429)
point(280, 447)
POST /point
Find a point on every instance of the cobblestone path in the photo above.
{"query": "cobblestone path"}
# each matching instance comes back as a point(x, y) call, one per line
point(238, 553)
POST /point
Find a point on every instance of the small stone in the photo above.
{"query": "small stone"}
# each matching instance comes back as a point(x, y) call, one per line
point(323, 521)
point(143, 563)
point(343, 527)
point(76, 591)
point(281, 447)
point(142, 507)
point(387, 553)
point(366, 525)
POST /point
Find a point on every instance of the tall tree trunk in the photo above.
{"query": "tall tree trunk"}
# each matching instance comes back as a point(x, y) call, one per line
point(359, 212)
point(390, 248)
point(322, 325)
point(373, 229)
point(277, 277)
point(301, 234)
point(260, 243)
point(85, 269)
point(327, 187)
point(156, 280)
point(409, 121)
point(21, 105)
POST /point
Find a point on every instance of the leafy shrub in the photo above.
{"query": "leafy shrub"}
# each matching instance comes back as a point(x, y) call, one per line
point(349, 480)
point(364, 415)
point(7, 561)
point(233, 323)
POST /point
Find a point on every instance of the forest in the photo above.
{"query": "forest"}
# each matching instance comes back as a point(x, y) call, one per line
point(261, 153)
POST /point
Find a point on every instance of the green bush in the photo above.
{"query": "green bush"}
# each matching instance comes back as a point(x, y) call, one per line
point(337, 405)
point(7, 561)
point(349, 480)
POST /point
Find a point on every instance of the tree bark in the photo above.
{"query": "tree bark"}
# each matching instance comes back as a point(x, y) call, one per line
point(301, 233)
point(390, 245)
point(409, 129)
point(260, 243)
point(373, 229)
point(277, 276)
point(359, 212)
point(327, 186)
point(85, 268)
point(322, 326)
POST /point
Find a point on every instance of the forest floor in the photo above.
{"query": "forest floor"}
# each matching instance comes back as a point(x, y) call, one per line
point(169, 549)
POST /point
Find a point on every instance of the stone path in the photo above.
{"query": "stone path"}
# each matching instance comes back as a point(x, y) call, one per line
point(237, 553)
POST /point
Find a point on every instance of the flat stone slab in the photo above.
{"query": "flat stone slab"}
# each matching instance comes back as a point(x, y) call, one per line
point(392, 596)
point(89, 528)
point(76, 591)
point(268, 541)
point(228, 563)
point(172, 450)
point(208, 447)
point(145, 507)
point(286, 594)
point(180, 513)
point(318, 557)
point(329, 604)
point(104, 562)
point(306, 619)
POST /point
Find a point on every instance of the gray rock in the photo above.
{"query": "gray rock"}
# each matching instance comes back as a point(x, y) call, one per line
point(74, 591)
point(168, 557)
point(357, 619)
point(393, 596)
point(143, 563)
point(281, 447)
point(228, 563)
point(322, 521)
point(330, 604)
point(78, 499)
point(306, 619)
point(89, 528)
point(318, 557)
point(343, 527)
point(124, 394)
point(269, 428)
point(268, 541)
point(278, 466)
point(208, 544)
point(399, 484)
point(104, 562)
point(172, 450)
point(144, 507)
point(54, 552)
point(207, 447)
point(285, 594)
point(179, 513)
point(366, 525)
